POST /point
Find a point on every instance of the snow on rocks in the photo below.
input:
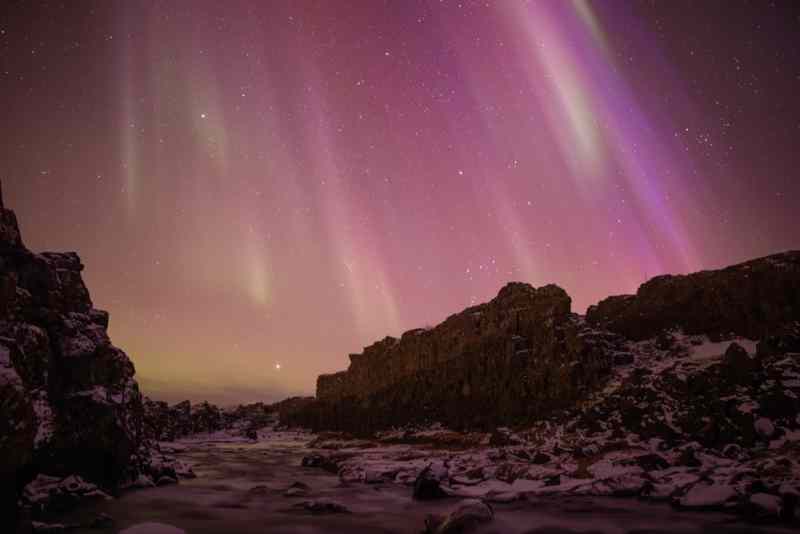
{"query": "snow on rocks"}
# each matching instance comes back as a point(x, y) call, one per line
point(46, 494)
point(763, 506)
point(297, 489)
point(464, 516)
point(676, 424)
point(708, 496)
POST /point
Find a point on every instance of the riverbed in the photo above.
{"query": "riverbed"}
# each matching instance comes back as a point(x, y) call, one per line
point(240, 488)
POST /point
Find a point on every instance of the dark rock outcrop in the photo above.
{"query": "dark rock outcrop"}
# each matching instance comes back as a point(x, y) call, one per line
point(523, 356)
point(69, 403)
point(167, 423)
point(751, 299)
point(519, 356)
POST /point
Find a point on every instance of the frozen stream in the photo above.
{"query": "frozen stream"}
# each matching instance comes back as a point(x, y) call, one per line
point(239, 489)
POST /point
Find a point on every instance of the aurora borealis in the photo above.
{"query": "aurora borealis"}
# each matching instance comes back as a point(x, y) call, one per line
point(259, 188)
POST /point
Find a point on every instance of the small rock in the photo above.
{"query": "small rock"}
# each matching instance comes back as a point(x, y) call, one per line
point(708, 496)
point(652, 462)
point(688, 458)
point(500, 438)
point(427, 486)
point(317, 460)
point(764, 428)
point(324, 506)
point(763, 507)
point(143, 481)
point(312, 460)
point(588, 451)
point(658, 492)
point(184, 470)
point(466, 515)
point(101, 521)
point(260, 489)
point(623, 358)
point(372, 477)
point(476, 473)
point(739, 367)
point(509, 472)
point(540, 458)
point(297, 489)
point(554, 480)
point(732, 451)
point(664, 341)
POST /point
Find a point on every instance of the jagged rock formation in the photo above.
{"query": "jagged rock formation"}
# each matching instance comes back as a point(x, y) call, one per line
point(686, 388)
point(69, 403)
point(517, 357)
point(524, 356)
point(750, 299)
point(167, 423)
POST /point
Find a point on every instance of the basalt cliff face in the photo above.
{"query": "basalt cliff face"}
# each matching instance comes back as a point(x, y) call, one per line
point(519, 356)
point(751, 299)
point(524, 356)
point(69, 403)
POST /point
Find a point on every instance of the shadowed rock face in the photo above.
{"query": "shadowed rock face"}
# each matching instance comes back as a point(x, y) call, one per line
point(68, 401)
point(750, 299)
point(518, 356)
point(168, 423)
point(523, 355)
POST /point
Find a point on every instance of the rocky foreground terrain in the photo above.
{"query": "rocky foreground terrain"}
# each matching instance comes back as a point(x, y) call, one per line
point(72, 414)
point(687, 392)
point(511, 416)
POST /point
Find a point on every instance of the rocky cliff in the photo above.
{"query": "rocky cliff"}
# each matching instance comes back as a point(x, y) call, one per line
point(750, 299)
point(69, 402)
point(521, 355)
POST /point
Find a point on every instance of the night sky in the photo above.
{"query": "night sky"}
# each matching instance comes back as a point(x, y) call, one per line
point(259, 188)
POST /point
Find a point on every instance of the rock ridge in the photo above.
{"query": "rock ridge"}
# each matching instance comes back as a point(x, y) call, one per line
point(518, 356)
point(524, 355)
point(751, 299)
point(70, 403)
